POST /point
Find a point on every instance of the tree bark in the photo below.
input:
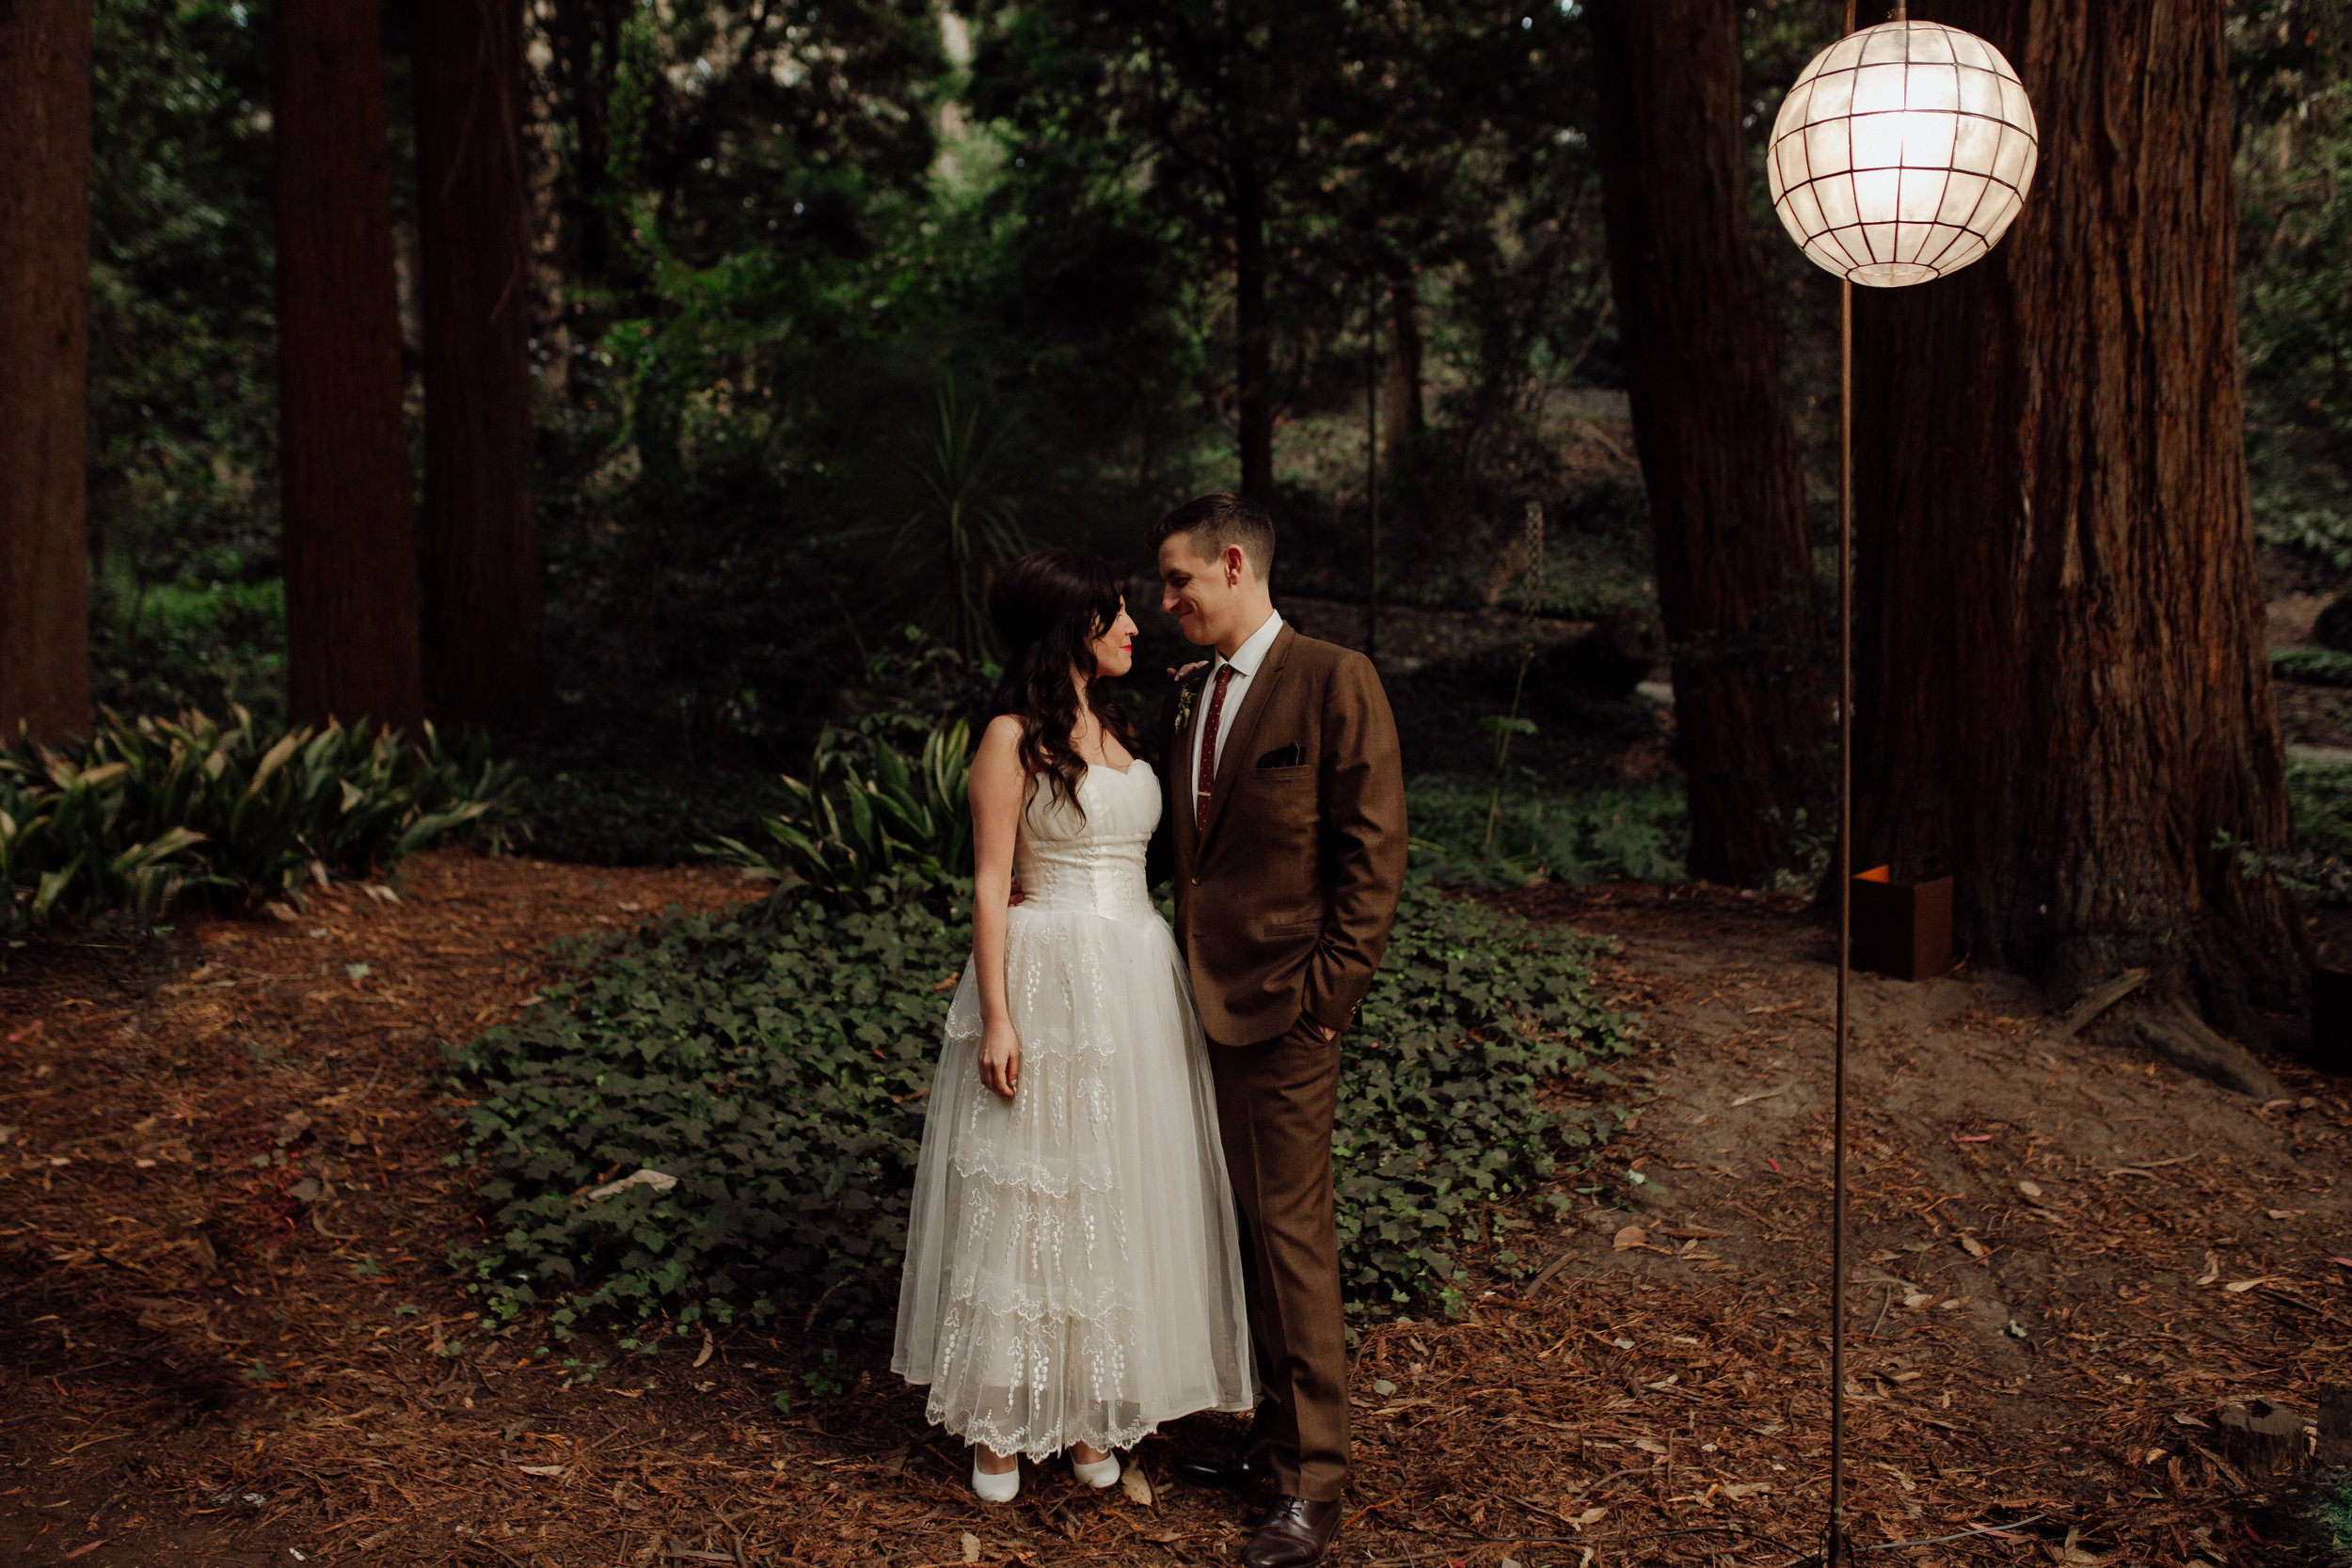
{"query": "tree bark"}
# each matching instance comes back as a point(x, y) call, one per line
point(1402, 414)
point(1710, 418)
point(45, 359)
point(484, 601)
point(351, 563)
point(1253, 331)
point(2062, 690)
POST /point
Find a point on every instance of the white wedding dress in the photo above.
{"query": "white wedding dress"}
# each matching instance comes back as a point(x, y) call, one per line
point(1072, 1266)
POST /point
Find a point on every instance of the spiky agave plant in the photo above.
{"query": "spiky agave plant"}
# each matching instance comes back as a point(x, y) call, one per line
point(965, 524)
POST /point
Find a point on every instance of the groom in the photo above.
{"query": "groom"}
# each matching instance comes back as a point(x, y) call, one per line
point(1286, 822)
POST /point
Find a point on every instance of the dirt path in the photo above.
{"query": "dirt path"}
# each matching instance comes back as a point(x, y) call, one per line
point(229, 1339)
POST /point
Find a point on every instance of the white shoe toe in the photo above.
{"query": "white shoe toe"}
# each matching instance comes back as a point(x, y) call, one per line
point(1101, 1473)
point(997, 1488)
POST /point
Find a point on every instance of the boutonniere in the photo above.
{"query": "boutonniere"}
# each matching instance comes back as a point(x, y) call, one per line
point(1188, 689)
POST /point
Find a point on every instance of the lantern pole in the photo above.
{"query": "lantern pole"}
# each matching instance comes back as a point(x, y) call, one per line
point(1839, 1547)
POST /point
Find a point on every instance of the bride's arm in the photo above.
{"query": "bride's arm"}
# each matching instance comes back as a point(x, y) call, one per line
point(997, 787)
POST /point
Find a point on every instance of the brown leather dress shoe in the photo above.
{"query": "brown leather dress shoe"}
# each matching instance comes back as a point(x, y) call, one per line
point(1296, 1535)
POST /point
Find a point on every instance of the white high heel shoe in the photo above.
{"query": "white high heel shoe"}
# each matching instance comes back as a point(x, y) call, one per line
point(995, 1486)
point(1103, 1472)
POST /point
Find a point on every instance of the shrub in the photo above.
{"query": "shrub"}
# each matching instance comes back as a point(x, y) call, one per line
point(2312, 666)
point(147, 807)
point(606, 814)
point(843, 832)
point(774, 1071)
point(1562, 834)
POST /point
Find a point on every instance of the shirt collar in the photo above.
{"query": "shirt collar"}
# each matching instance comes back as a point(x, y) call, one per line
point(1252, 654)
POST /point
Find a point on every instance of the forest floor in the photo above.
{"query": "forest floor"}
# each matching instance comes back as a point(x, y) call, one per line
point(2067, 1257)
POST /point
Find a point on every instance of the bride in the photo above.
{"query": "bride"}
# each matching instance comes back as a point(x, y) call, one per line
point(1072, 1272)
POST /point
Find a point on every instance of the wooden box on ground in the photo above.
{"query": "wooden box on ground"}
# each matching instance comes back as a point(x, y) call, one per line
point(1902, 929)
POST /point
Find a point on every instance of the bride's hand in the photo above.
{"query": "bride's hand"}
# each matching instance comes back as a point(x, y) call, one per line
point(1000, 1059)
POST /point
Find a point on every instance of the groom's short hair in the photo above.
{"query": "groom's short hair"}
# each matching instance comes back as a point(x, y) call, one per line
point(1215, 521)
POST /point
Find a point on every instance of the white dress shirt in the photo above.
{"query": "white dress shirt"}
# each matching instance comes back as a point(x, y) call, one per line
point(1245, 662)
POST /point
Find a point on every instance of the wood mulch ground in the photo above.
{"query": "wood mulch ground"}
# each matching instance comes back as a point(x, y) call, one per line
point(226, 1181)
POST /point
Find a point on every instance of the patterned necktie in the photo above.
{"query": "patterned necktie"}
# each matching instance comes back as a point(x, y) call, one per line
point(1206, 768)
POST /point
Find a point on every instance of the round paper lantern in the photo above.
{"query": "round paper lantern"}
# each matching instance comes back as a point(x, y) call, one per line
point(1902, 153)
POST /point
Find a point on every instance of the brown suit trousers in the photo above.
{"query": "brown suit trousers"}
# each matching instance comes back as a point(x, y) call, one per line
point(1284, 904)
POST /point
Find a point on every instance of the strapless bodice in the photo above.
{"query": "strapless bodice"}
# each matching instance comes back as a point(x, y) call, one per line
point(1094, 862)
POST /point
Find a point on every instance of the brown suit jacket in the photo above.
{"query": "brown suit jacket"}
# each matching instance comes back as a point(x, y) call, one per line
point(1284, 904)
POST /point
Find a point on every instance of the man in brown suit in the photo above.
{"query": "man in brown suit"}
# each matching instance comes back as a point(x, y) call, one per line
point(1286, 829)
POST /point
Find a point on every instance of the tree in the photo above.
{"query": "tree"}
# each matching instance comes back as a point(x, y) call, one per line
point(1207, 105)
point(350, 548)
point(2063, 693)
point(44, 357)
point(1719, 451)
point(485, 602)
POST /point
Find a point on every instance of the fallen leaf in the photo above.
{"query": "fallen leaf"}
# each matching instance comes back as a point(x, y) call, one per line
point(2188, 1421)
point(1138, 1485)
point(1775, 1163)
point(1752, 1099)
point(1738, 1491)
point(2213, 1270)
point(1917, 1299)
point(2345, 1261)
point(1649, 1444)
point(1975, 1248)
point(86, 1547)
point(1975, 1137)
point(661, 1181)
point(2031, 1190)
point(971, 1547)
point(1383, 1387)
point(703, 1356)
point(541, 1470)
point(1630, 1237)
point(279, 912)
point(1590, 1516)
point(2239, 1287)
point(2281, 1214)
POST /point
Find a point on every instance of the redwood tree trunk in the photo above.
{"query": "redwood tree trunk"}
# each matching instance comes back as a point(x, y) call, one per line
point(1719, 452)
point(2063, 695)
point(1402, 416)
point(1254, 330)
point(44, 355)
point(479, 540)
point(351, 563)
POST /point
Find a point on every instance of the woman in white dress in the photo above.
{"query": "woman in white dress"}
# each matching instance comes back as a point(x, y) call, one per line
point(1072, 1267)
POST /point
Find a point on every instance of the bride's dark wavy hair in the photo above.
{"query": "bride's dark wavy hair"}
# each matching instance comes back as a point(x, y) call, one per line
point(1047, 606)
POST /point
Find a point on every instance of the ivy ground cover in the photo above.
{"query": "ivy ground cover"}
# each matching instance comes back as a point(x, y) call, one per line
point(721, 1116)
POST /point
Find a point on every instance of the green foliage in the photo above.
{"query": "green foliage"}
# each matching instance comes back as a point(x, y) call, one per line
point(610, 815)
point(1545, 832)
point(146, 807)
point(182, 374)
point(2312, 666)
point(168, 646)
point(844, 834)
point(1472, 1077)
point(2319, 867)
point(2291, 62)
point(776, 1069)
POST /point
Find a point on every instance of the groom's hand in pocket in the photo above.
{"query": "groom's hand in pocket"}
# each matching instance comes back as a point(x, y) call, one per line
point(1000, 1059)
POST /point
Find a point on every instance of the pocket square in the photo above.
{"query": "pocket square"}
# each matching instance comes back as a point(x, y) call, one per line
point(1292, 755)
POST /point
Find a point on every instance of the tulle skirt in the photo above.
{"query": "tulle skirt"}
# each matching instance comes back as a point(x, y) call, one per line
point(1073, 1263)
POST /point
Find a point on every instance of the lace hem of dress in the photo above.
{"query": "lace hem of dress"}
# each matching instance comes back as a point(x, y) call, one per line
point(1105, 1311)
point(1029, 1178)
point(974, 1427)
